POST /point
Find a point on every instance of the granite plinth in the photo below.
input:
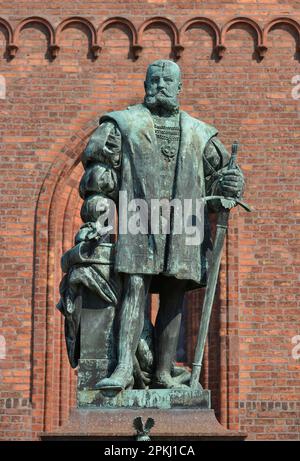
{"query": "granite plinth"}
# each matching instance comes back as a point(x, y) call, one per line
point(176, 424)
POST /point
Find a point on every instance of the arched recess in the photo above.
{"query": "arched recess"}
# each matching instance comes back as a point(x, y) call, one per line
point(176, 46)
point(260, 47)
point(8, 33)
point(94, 46)
point(278, 22)
point(200, 21)
point(135, 47)
point(52, 380)
point(56, 222)
point(13, 48)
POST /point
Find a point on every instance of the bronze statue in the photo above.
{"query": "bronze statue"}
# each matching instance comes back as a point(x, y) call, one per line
point(150, 151)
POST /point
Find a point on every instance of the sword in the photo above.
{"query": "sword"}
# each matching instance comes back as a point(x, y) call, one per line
point(223, 216)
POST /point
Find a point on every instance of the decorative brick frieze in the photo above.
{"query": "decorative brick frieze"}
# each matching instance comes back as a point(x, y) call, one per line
point(137, 33)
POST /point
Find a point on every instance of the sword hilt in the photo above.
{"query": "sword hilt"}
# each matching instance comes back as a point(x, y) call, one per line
point(230, 202)
point(232, 162)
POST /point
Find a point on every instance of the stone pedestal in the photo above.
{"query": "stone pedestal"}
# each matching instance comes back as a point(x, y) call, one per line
point(179, 414)
point(176, 424)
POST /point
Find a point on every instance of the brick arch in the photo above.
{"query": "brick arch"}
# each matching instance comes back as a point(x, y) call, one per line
point(52, 380)
point(5, 24)
point(137, 35)
point(200, 21)
point(260, 48)
point(176, 46)
point(134, 45)
point(13, 48)
point(279, 22)
point(94, 46)
point(10, 47)
point(33, 20)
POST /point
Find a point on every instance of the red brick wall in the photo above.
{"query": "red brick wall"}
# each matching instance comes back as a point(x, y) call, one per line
point(51, 108)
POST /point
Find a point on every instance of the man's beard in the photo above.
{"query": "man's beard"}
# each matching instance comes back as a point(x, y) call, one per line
point(161, 101)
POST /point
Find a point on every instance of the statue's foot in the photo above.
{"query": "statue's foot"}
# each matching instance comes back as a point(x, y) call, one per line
point(119, 380)
point(165, 381)
point(181, 374)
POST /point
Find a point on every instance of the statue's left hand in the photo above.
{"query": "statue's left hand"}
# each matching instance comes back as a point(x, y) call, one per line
point(232, 183)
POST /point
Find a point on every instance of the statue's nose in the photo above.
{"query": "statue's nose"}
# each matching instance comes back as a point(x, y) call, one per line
point(161, 83)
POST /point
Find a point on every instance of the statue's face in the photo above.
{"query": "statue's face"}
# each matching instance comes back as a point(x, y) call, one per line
point(164, 80)
point(162, 86)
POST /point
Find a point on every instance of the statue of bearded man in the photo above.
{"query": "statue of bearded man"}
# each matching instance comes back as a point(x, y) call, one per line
point(152, 151)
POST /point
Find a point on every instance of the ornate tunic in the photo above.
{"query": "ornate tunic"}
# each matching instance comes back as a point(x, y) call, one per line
point(167, 131)
point(107, 146)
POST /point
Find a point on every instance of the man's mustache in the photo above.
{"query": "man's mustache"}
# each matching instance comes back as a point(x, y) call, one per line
point(165, 93)
point(161, 92)
point(160, 99)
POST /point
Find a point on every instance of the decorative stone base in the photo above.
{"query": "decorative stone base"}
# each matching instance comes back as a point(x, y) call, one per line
point(117, 425)
point(152, 398)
